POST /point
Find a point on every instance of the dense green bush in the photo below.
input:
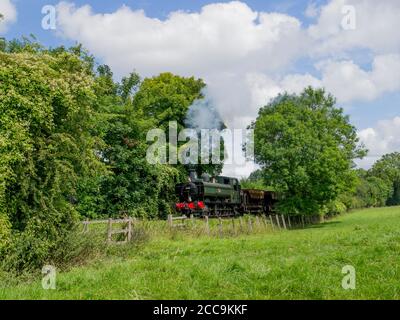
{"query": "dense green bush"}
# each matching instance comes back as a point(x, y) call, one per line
point(335, 207)
point(30, 253)
point(45, 122)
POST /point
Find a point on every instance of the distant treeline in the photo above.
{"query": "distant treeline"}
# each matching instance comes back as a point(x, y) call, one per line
point(376, 187)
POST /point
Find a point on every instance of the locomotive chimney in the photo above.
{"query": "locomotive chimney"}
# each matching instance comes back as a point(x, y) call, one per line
point(192, 175)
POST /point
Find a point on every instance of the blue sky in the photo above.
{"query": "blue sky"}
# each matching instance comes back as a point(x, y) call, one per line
point(288, 45)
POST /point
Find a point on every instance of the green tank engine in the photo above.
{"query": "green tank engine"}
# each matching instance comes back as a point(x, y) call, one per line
point(220, 196)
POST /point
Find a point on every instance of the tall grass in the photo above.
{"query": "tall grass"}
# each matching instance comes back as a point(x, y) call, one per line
point(298, 264)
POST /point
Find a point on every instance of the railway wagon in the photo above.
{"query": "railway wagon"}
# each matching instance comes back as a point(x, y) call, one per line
point(253, 200)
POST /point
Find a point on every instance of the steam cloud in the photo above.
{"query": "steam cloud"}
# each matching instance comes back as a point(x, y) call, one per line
point(203, 115)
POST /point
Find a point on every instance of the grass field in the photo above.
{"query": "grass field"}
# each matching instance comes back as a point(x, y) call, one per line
point(296, 264)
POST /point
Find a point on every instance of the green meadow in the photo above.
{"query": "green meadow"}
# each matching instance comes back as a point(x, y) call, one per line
point(294, 264)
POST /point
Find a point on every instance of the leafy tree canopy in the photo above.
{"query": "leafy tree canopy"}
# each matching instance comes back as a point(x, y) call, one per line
point(388, 169)
point(167, 97)
point(46, 120)
point(306, 146)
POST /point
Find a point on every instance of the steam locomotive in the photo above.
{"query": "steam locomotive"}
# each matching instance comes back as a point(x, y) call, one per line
point(221, 196)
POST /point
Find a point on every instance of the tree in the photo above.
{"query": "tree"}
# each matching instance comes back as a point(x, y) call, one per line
point(129, 85)
point(131, 186)
point(371, 191)
point(306, 147)
point(166, 98)
point(254, 181)
point(388, 169)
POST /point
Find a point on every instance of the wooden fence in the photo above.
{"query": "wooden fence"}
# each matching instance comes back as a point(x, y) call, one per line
point(121, 231)
point(248, 223)
point(126, 231)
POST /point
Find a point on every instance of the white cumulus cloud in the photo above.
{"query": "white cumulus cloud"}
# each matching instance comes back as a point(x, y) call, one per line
point(376, 27)
point(382, 139)
point(221, 37)
point(350, 82)
point(9, 14)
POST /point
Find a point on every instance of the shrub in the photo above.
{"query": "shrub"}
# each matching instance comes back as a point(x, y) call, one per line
point(46, 109)
point(335, 207)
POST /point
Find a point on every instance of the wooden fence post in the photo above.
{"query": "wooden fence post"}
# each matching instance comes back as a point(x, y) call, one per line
point(283, 220)
point(277, 221)
point(129, 229)
point(192, 220)
point(220, 226)
point(250, 225)
point(170, 220)
point(109, 230)
point(288, 219)
point(233, 226)
point(207, 225)
point(272, 222)
point(264, 220)
point(258, 222)
point(86, 225)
